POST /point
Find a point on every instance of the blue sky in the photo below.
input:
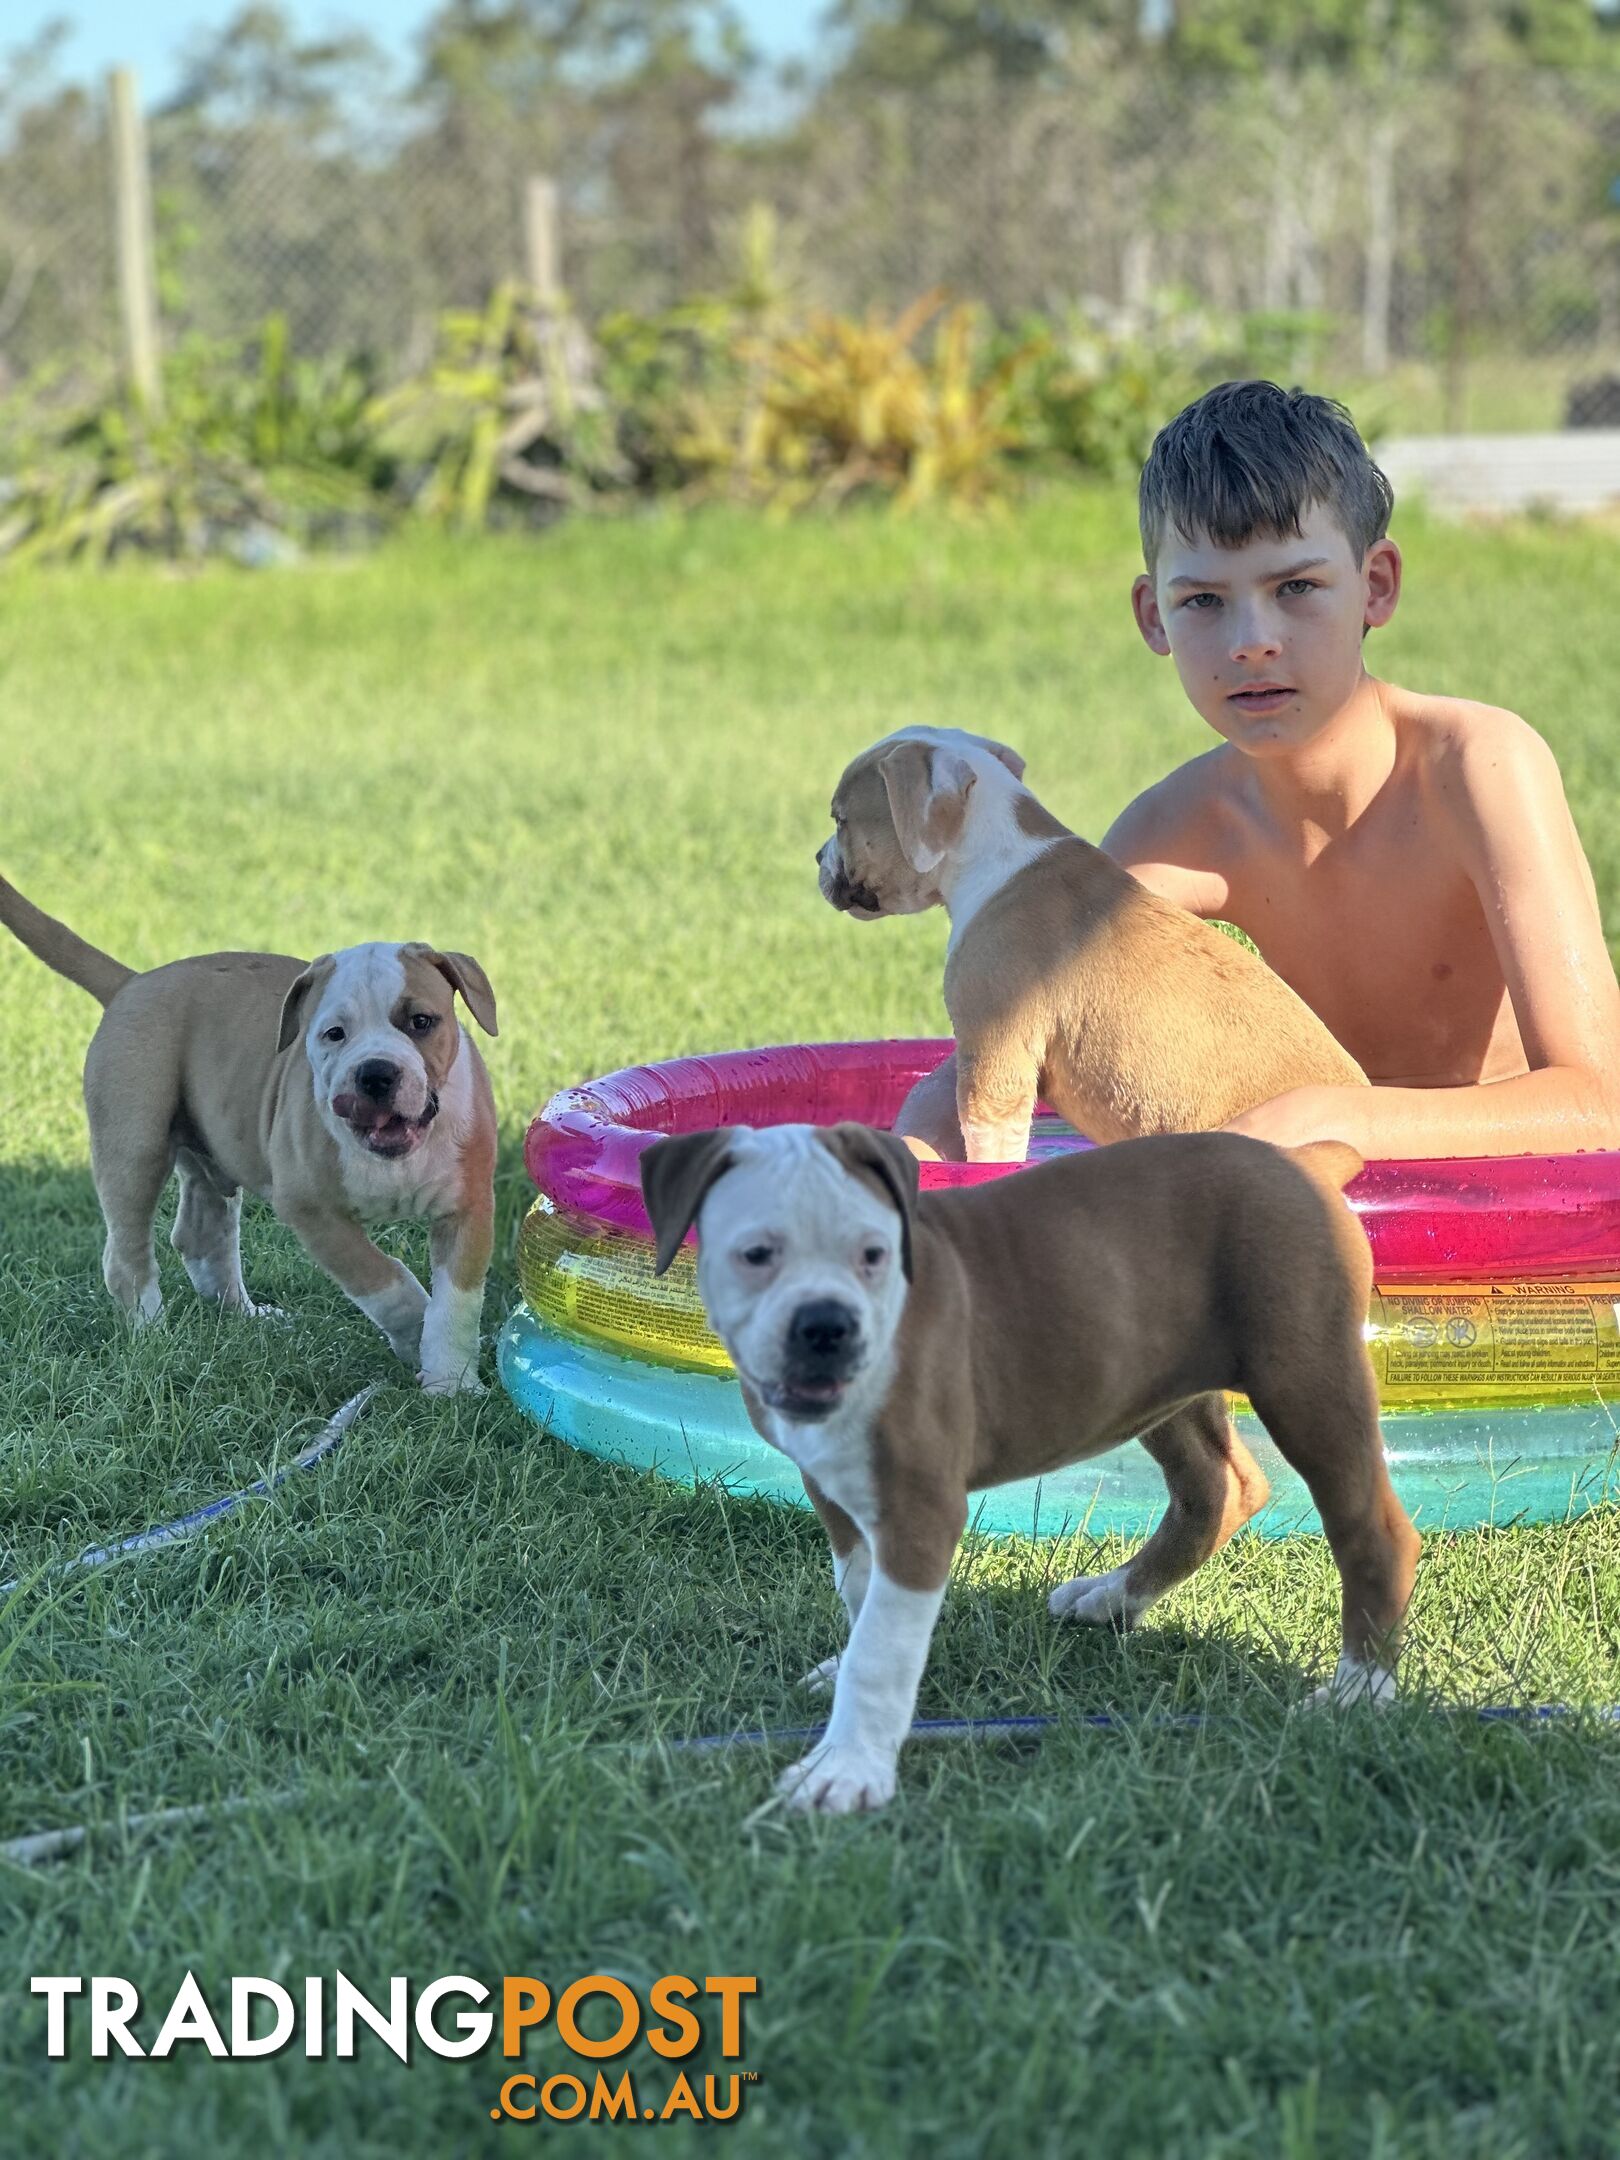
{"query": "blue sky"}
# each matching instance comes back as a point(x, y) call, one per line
point(149, 34)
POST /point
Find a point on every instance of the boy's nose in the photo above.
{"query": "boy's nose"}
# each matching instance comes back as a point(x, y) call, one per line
point(1254, 639)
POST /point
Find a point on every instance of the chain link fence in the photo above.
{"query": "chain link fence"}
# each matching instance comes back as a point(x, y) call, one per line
point(1449, 247)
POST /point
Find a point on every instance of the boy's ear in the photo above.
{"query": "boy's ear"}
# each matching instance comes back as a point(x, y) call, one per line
point(1145, 607)
point(1382, 572)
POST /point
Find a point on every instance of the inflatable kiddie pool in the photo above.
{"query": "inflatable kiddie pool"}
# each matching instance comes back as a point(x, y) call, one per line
point(1494, 1328)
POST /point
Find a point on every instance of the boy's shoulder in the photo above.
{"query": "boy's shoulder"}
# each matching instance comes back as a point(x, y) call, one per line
point(1168, 836)
point(1453, 719)
point(1481, 765)
point(1484, 746)
point(1183, 798)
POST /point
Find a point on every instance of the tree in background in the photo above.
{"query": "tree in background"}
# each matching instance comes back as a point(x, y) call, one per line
point(917, 41)
point(55, 250)
point(618, 96)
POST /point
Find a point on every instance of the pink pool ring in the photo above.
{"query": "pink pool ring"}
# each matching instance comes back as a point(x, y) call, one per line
point(1494, 1330)
point(1446, 1220)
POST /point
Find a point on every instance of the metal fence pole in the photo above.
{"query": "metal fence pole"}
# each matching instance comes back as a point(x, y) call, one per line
point(132, 216)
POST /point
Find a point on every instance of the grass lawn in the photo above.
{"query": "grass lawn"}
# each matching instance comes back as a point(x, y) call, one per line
point(602, 765)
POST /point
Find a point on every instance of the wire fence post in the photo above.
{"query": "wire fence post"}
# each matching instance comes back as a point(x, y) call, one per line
point(1470, 119)
point(540, 237)
point(1481, 271)
point(132, 223)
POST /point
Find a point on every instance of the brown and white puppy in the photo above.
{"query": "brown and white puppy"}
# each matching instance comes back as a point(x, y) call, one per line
point(344, 1092)
point(1064, 977)
point(908, 1350)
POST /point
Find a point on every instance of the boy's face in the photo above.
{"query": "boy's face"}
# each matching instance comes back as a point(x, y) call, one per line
point(1267, 637)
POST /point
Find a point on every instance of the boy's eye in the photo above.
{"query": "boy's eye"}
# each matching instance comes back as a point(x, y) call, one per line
point(1198, 600)
point(1298, 585)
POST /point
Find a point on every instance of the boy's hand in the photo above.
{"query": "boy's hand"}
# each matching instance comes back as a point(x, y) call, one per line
point(1305, 1114)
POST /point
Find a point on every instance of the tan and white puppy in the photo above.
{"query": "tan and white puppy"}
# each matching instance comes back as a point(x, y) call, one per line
point(344, 1092)
point(906, 1350)
point(1064, 977)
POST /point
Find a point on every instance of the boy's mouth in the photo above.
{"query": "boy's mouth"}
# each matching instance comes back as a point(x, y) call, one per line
point(1261, 697)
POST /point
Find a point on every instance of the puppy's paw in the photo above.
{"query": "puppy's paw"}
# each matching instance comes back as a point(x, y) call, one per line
point(1354, 1683)
point(146, 1310)
point(246, 1308)
point(821, 1679)
point(838, 1781)
point(463, 1381)
point(1099, 1600)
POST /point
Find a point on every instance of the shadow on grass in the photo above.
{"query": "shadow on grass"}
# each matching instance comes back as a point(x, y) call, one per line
point(51, 1234)
point(107, 1430)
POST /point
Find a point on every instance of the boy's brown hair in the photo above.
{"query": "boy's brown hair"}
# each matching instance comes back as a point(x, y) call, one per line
point(1249, 458)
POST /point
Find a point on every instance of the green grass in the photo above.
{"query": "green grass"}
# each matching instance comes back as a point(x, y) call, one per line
point(601, 764)
point(1502, 394)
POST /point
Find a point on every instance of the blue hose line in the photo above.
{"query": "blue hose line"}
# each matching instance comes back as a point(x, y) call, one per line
point(1454, 1469)
point(185, 1526)
point(1024, 1728)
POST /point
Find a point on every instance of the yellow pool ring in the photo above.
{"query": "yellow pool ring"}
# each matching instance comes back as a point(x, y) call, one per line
point(1434, 1347)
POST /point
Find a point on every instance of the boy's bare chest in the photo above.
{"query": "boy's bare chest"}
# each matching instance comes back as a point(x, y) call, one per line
point(1389, 945)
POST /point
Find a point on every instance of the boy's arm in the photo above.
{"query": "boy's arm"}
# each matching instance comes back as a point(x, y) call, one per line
point(1512, 826)
point(1151, 839)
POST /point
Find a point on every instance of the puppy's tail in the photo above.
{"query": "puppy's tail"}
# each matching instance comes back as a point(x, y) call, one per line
point(1329, 1162)
point(57, 946)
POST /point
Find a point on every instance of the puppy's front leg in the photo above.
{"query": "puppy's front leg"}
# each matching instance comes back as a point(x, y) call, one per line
point(852, 1571)
point(385, 1290)
point(853, 1766)
point(995, 1104)
point(460, 1246)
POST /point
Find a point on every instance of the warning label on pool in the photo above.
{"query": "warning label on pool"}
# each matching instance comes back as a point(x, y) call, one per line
point(1531, 1338)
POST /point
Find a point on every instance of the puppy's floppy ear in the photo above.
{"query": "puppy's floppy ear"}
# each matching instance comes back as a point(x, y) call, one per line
point(675, 1178)
point(1004, 751)
point(884, 1160)
point(462, 972)
point(292, 1005)
point(928, 786)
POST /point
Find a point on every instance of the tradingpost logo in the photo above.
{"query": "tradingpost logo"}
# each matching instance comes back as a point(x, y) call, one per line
point(679, 2014)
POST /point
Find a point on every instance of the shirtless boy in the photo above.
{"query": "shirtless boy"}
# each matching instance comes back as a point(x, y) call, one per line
point(1406, 862)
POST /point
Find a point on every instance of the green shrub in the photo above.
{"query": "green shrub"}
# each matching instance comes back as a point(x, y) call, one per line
point(520, 416)
point(245, 448)
point(507, 423)
point(1098, 386)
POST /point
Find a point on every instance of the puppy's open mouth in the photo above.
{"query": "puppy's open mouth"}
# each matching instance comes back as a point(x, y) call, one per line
point(805, 1400)
point(381, 1131)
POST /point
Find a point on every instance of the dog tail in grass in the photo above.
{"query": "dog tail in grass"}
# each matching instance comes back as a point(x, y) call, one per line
point(59, 948)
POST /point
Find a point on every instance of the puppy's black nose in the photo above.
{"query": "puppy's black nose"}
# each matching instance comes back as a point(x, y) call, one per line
point(823, 1331)
point(375, 1077)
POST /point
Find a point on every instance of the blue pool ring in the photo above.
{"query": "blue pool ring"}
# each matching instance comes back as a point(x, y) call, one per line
point(1453, 1469)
